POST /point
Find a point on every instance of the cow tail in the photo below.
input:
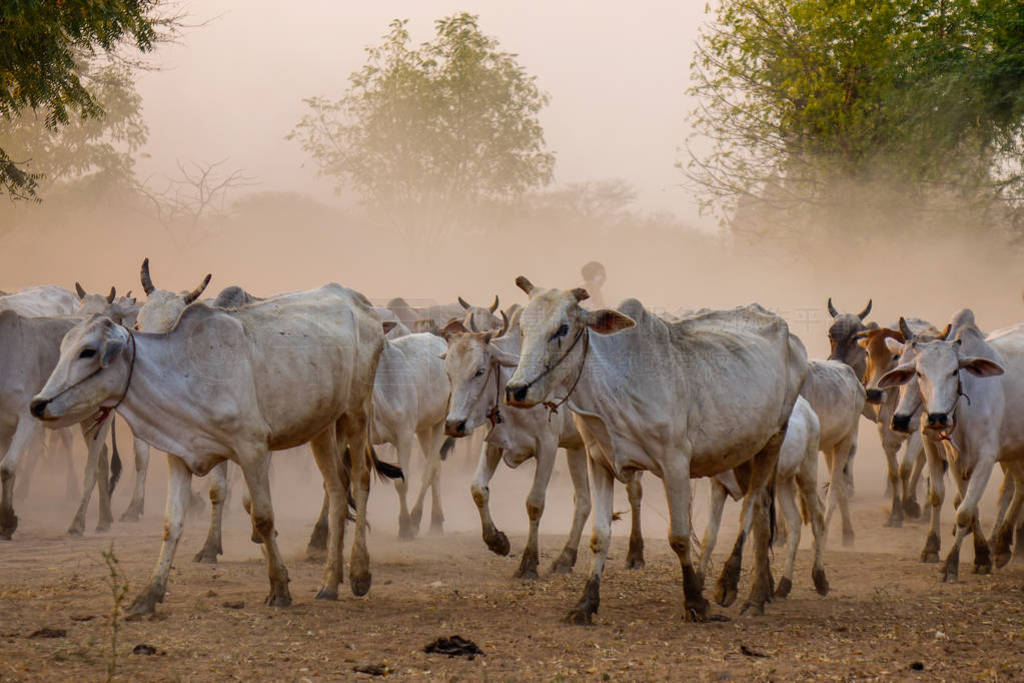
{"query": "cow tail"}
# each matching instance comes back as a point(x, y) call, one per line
point(115, 461)
point(772, 517)
point(447, 447)
point(385, 469)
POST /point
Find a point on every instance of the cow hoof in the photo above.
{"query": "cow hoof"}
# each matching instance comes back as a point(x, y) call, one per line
point(950, 572)
point(728, 583)
point(893, 522)
point(848, 539)
point(911, 509)
point(929, 556)
point(529, 574)
point(754, 607)
point(103, 528)
point(820, 582)
point(784, 588)
point(314, 554)
point(984, 568)
point(725, 595)
point(415, 517)
point(405, 533)
point(498, 543)
point(635, 563)
point(8, 525)
point(327, 594)
point(130, 517)
point(206, 556)
point(696, 610)
point(565, 562)
point(144, 605)
point(278, 599)
point(361, 585)
point(437, 527)
point(1002, 558)
point(579, 616)
point(75, 531)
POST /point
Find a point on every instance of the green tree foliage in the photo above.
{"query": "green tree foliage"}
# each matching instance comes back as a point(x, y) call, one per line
point(428, 132)
point(44, 45)
point(805, 101)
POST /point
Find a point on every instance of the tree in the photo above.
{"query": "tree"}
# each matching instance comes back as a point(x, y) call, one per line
point(430, 132)
point(42, 46)
point(812, 103)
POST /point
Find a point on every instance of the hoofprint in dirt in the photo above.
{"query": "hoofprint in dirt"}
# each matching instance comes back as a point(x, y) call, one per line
point(886, 615)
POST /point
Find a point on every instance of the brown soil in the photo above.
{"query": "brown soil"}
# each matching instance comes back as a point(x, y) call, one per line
point(887, 615)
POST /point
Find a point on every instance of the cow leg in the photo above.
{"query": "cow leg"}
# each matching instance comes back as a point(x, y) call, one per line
point(25, 433)
point(891, 445)
point(218, 494)
point(138, 504)
point(728, 581)
point(635, 492)
point(95, 443)
point(325, 450)
point(576, 459)
point(179, 484)
point(785, 490)
point(600, 537)
point(716, 503)
point(545, 456)
point(407, 527)
point(358, 444)
point(35, 453)
point(807, 484)
point(837, 490)
point(434, 465)
point(317, 545)
point(490, 456)
point(762, 500)
point(910, 475)
point(430, 444)
point(257, 478)
point(936, 495)
point(967, 511)
point(677, 493)
point(103, 490)
point(59, 445)
point(1002, 535)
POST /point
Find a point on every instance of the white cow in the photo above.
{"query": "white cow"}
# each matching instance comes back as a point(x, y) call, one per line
point(479, 365)
point(708, 394)
point(235, 386)
point(970, 389)
point(797, 472)
point(45, 300)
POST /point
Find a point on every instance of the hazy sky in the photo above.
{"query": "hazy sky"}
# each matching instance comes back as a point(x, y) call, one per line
point(616, 73)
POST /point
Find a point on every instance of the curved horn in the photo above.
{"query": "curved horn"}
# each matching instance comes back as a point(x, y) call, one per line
point(944, 335)
point(905, 329)
point(494, 306)
point(80, 290)
point(464, 303)
point(504, 323)
point(147, 282)
point(525, 285)
point(194, 294)
point(112, 295)
point(832, 309)
point(867, 309)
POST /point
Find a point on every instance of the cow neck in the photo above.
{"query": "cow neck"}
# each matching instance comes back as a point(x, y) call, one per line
point(553, 406)
point(105, 412)
point(156, 406)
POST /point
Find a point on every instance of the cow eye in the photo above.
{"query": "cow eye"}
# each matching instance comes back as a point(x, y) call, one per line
point(87, 353)
point(479, 373)
point(560, 332)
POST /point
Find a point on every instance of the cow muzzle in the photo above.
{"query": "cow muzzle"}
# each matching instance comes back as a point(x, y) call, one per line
point(38, 407)
point(938, 420)
point(875, 396)
point(515, 394)
point(901, 423)
point(455, 428)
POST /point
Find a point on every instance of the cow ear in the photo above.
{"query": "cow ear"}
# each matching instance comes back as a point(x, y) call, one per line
point(580, 294)
point(897, 376)
point(111, 349)
point(981, 367)
point(451, 329)
point(895, 346)
point(443, 356)
point(607, 321)
point(509, 360)
point(388, 325)
point(863, 342)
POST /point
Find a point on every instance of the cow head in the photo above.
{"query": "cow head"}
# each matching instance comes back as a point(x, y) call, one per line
point(162, 308)
point(473, 365)
point(842, 337)
point(883, 347)
point(121, 310)
point(480, 318)
point(936, 367)
point(553, 324)
point(92, 372)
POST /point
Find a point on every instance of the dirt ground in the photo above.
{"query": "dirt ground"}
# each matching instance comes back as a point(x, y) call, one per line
point(888, 616)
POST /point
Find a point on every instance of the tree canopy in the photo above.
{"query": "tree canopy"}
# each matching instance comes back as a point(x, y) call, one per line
point(804, 100)
point(46, 47)
point(430, 130)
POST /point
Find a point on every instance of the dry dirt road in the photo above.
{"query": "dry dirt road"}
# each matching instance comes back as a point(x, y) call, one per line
point(888, 616)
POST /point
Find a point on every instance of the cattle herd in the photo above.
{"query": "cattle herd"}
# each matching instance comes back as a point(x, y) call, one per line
point(725, 394)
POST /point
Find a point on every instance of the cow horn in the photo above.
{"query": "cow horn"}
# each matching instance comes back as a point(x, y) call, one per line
point(147, 282)
point(472, 324)
point(112, 295)
point(463, 303)
point(494, 306)
point(867, 309)
point(832, 309)
point(944, 335)
point(80, 290)
point(905, 329)
point(580, 294)
point(504, 325)
point(194, 294)
point(128, 294)
point(525, 285)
